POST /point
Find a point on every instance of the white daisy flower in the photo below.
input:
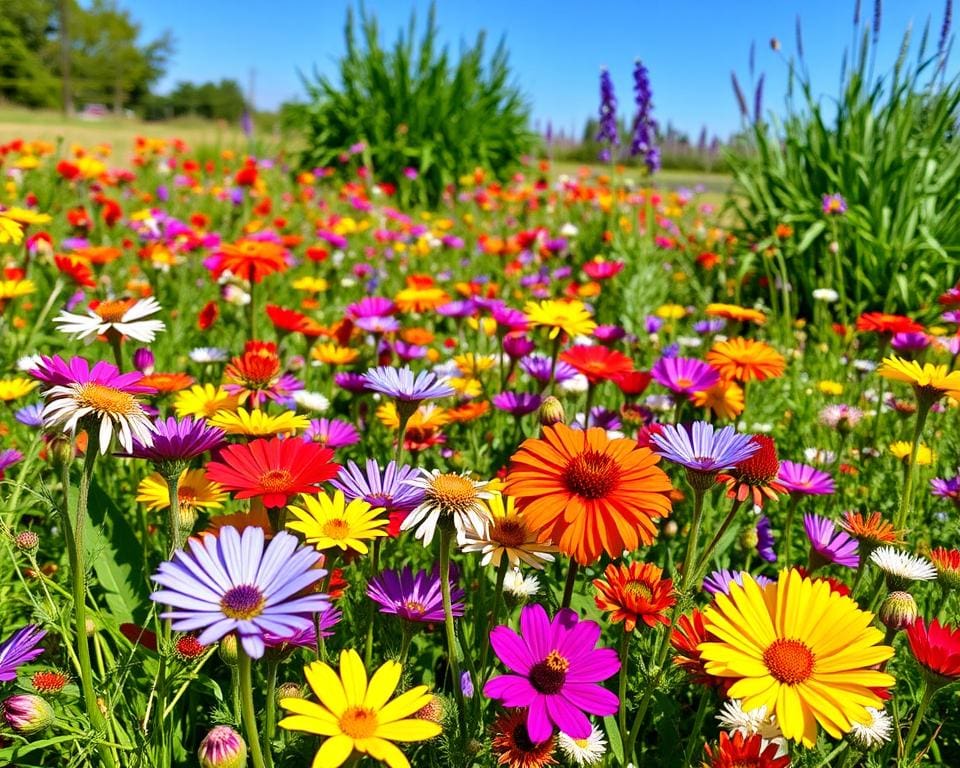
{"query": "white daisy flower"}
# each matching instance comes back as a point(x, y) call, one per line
point(447, 496)
point(120, 316)
point(569, 230)
point(588, 751)
point(819, 456)
point(826, 295)
point(29, 362)
point(505, 534)
point(311, 401)
point(901, 567)
point(577, 384)
point(733, 717)
point(204, 355)
point(874, 734)
point(519, 586)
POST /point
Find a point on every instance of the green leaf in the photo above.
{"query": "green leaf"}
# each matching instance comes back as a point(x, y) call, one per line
point(810, 235)
point(613, 737)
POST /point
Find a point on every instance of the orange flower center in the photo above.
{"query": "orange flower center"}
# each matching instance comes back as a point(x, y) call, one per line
point(276, 480)
point(638, 589)
point(591, 474)
point(336, 529)
point(106, 399)
point(113, 311)
point(358, 722)
point(509, 532)
point(789, 661)
point(452, 492)
point(549, 675)
point(242, 602)
point(415, 606)
point(187, 495)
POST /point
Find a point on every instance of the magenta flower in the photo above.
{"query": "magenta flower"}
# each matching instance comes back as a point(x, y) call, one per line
point(333, 433)
point(516, 403)
point(177, 442)
point(804, 479)
point(829, 545)
point(684, 375)
point(22, 646)
point(557, 672)
point(414, 597)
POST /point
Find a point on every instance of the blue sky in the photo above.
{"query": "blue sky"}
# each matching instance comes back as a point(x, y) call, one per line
point(557, 48)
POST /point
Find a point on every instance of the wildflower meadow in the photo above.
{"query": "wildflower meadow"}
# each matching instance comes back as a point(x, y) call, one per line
point(302, 464)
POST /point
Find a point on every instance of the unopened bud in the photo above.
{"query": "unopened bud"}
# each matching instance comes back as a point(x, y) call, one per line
point(670, 529)
point(551, 412)
point(61, 450)
point(188, 648)
point(27, 713)
point(899, 610)
point(289, 691)
point(749, 538)
point(27, 541)
point(49, 681)
point(229, 650)
point(223, 747)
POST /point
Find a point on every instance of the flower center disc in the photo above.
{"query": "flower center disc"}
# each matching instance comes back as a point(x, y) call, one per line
point(358, 723)
point(415, 606)
point(509, 533)
point(591, 474)
point(789, 661)
point(276, 480)
point(105, 399)
point(549, 675)
point(638, 589)
point(244, 601)
point(112, 311)
point(337, 528)
point(452, 492)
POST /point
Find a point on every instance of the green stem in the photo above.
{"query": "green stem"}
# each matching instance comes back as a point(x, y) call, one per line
point(622, 682)
point(906, 501)
point(173, 489)
point(247, 709)
point(570, 583)
point(828, 760)
point(588, 406)
point(925, 699)
point(694, 740)
point(270, 713)
point(445, 541)
point(788, 529)
point(494, 615)
point(705, 557)
point(252, 311)
point(688, 560)
point(371, 613)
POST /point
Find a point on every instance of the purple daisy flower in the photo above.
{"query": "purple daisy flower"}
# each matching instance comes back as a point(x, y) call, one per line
point(177, 442)
point(18, 649)
point(351, 382)
point(538, 367)
point(910, 342)
point(30, 415)
point(232, 583)
point(400, 384)
point(804, 479)
point(413, 597)
point(457, 309)
point(306, 637)
point(946, 488)
point(703, 448)
point(378, 324)
point(609, 333)
point(599, 417)
point(765, 540)
point(684, 375)
point(556, 672)
point(718, 582)
point(834, 205)
point(371, 306)
point(8, 458)
point(407, 352)
point(517, 403)
point(828, 545)
point(509, 318)
point(333, 433)
point(706, 327)
point(516, 345)
point(386, 488)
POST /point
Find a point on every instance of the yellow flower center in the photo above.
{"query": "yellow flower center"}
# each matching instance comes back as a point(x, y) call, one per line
point(336, 528)
point(591, 474)
point(276, 480)
point(112, 311)
point(638, 589)
point(789, 661)
point(415, 606)
point(242, 602)
point(106, 399)
point(510, 532)
point(452, 492)
point(359, 722)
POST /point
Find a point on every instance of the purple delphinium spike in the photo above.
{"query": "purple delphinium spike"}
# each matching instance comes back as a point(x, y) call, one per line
point(644, 126)
point(607, 133)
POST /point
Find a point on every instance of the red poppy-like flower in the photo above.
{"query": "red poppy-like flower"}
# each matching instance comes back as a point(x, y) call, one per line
point(937, 650)
point(757, 475)
point(886, 324)
point(76, 269)
point(597, 363)
point(208, 315)
point(287, 320)
point(740, 750)
point(632, 383)
point(273, 469)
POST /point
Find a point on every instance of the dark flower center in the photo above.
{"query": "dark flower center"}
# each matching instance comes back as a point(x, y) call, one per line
point(591, 474)
point(242, 602)
point(549, 675)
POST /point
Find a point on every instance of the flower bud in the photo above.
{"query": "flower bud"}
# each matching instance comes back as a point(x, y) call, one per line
point(223, 747)
point(433, 710)
point(27, 541)
point(143, 361)
point(27, 713)
point(749, 538)
point(551, 412)
point(898, 610)
point(669, 529)
point(188, 648)
point(49, 681)
point(61, 450)
point(289, 691)
point(229, 650)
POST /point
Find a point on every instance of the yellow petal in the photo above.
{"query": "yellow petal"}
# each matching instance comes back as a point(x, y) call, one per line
point(382, 685)
point(404, 705)
point(333, 752)
point(409, 730)
point(310, 725)
point(354, 676)
point(327, 686)
point(384, 751)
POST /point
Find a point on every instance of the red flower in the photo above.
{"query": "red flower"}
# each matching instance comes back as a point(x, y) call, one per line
point(247, 176)
point(880, 322)
point(597, 363)
point(632, 383)
point(740, 750)
point(273, 469)
point(756, 476)
point(288, 320)
point(936, 649)
point(633, 593)
point(208, 315)
point(76, 269)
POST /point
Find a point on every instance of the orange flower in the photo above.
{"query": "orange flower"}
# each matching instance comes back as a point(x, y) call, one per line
point(746, 360)
point(587, 493)
point(420, 295)
point(724, 399)
point(167, 382)
point(251, 260)
point(635, 591)
point(883, 323)
point(739, 314)
point(871, 530)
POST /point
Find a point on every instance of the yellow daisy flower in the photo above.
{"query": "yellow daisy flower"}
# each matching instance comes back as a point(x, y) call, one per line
point(14, 289)
point(330, 522)
point(930, 382)
point(258, 423)
point(334, 354)
point(671, 311)
point(13, 389)
point(425, 417)
point(466, 387)
point(194, 493)
point(571, 317)
point(901, 450)
point(799, 649)
point(358, 715)
point(204, 400)
point(472, 365)
point(830, 387)
point(311, 284)
point(25, 216)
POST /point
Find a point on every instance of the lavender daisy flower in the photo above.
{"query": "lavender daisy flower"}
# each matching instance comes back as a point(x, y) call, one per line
point(175, 443)
point(407, 352)
point(30, 415)
point(517, 403)
point(415, 598)
point(706, 327)
point(538, 368)
point(719, 582)
point(834, 205)
point(765, 540)
point(351, 382)
point(8, 458)
point(386, 487)
point(946, 488)
point(599, 417)
point(684, 375)
point(804, 479)
point(457, 309)
point(702, 448)
point(306, 637)
point(232, 583)
point(400, 384)
point(828, 545)
point(18, 649)
point(509, 318)
point(378, 324)
point(371, 306)
point(333, 433)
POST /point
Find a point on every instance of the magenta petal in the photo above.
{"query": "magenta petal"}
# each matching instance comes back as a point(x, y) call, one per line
point(538, 723)
point(594, 666)
point(535, 629)
point(567, 717)
point(580, 640)
point(511, 650)
point(563, 624)
point(591, 698)
point(512, 690)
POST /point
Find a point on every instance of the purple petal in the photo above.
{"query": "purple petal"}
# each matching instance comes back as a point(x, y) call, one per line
point(512, 690)
point(539, 727)
point(511, 650)
point(594, 666)
point(567, 717)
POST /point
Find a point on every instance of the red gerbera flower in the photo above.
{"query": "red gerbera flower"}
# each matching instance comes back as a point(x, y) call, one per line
point(287, 320)
point(947, 563)
point(685, 640)
point(883, 323)
point(76, 269)
point(937, 650)
point(632, 383)
point(756, 475)
point(597, 363)
point(273, 469)
point(739, 750)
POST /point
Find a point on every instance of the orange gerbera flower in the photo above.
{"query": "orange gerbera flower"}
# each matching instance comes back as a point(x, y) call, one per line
point(420, 295)
point(597, 363)
point(634, 592)
point(251, 260)
point(739, 314)
point(168, 382)
point(746, 360)
point(587, 493)
point(883, 323)
point(724, 399)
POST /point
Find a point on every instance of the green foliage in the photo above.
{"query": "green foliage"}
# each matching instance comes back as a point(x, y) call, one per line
point(413, 106)
point(23, 78)
point(215, 101)
point(889, 146)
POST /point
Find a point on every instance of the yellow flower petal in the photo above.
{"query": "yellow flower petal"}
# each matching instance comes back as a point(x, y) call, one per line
point(382, 685)
point(327, 686)
point(354, 677)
